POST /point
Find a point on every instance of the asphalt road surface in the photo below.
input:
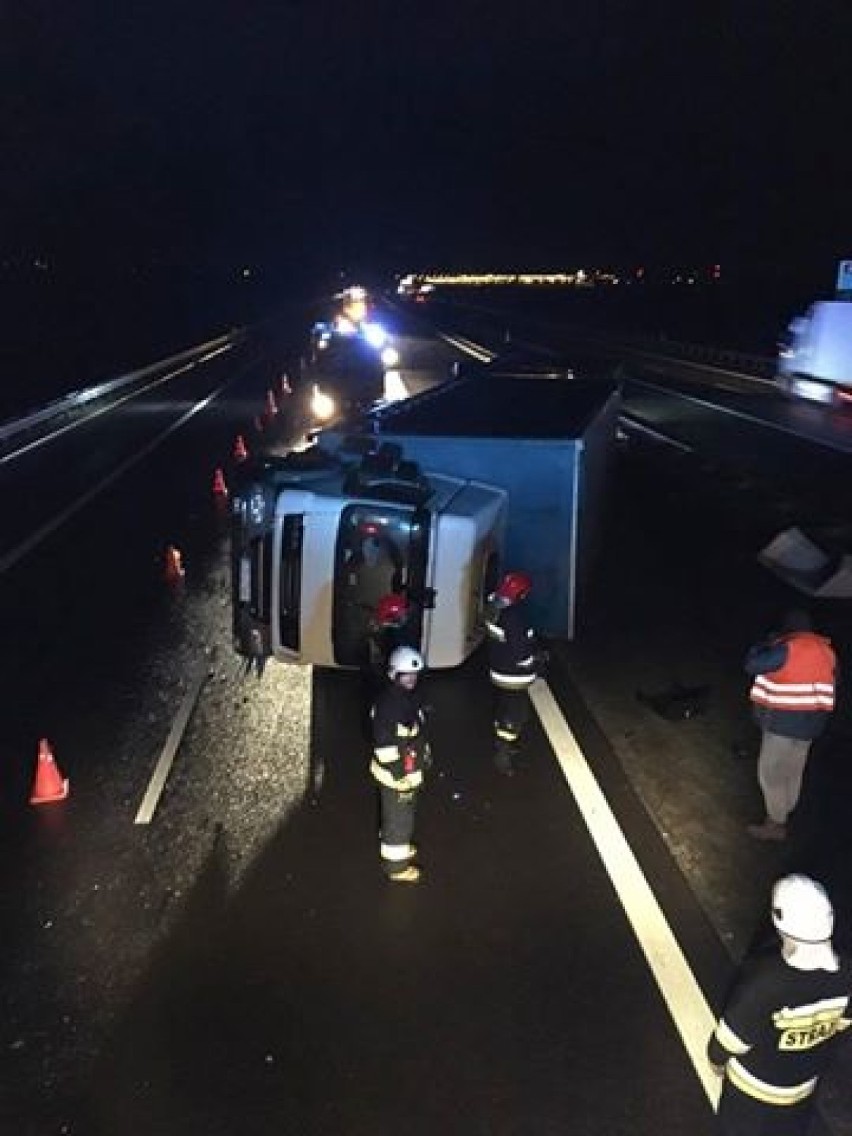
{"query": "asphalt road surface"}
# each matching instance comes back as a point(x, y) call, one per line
point(239, 963)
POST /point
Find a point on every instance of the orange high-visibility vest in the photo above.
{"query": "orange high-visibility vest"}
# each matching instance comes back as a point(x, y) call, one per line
point(805, 682)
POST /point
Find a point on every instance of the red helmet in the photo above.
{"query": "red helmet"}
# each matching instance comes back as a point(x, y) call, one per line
point(392, 608)
point(514, 587)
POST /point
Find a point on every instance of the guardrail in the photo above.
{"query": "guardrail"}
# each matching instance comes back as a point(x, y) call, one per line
point(747, 369)
point(660, 349)
point(655, 348)
point(762, 366)
point(75, 400)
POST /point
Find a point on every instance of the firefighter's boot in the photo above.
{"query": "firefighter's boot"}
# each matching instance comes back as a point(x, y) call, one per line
point(410, 874)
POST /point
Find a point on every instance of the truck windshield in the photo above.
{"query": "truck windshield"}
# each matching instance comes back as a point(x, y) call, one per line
point(380, 549)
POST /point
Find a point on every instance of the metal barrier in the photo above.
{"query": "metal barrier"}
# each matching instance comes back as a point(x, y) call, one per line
point(74, 400)
point(651, 348)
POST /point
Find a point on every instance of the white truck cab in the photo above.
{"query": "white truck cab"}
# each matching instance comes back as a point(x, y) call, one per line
point(319, 537)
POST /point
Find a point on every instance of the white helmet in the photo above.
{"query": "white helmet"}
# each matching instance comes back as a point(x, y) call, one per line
point(801, 910)
point(404, 660)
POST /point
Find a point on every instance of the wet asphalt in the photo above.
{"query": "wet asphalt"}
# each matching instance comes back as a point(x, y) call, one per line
point(240, 964)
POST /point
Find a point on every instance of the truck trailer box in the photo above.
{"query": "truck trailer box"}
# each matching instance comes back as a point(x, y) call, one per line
point(547, 440)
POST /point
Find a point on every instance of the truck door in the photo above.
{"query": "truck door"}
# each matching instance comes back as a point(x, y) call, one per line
point(380, 549)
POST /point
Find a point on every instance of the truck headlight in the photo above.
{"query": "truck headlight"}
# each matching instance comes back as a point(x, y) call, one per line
point(256, 505)
point(375, 335)
point(322, 405)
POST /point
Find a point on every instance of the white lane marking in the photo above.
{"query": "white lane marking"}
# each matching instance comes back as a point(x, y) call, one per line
point(395, 387)
point(167, 756)
point(58, 431)
point(482, 354)
point(684, 999)
point(636, 424)
point(34, 539)
point(794, 430)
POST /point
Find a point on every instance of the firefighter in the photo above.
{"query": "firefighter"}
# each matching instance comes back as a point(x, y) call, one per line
point(513, 660)
point(792, 695)
point(390, 627)
point(780, 1026)
point(400, 755)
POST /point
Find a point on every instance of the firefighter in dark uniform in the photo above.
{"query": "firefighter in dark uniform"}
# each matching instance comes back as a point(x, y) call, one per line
point(513, 660)
point(400, 755)
point(780, 1026)
point(390, 627)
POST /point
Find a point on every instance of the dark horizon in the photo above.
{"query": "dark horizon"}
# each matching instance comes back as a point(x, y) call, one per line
point(338, 136)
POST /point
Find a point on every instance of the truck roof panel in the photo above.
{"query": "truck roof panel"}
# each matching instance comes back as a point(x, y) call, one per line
point(499, 406)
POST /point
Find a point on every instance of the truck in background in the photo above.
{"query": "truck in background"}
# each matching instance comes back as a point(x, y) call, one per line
point(815, 357)
point(435, 497)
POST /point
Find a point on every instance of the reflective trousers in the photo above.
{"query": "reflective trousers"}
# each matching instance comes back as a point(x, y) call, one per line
point(511, 714)
point(397, 827)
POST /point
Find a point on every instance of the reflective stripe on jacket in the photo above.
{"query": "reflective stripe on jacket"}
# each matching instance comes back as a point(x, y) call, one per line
point(398, 739)
point(389, 762)
point(512, 661)
point(780, 1027)
point(760, 1090)
point(805, 682)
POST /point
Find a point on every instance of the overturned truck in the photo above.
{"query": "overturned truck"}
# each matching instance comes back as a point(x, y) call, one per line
point(434, 496)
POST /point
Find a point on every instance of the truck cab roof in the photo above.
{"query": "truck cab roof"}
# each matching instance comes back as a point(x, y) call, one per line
point(377, 475)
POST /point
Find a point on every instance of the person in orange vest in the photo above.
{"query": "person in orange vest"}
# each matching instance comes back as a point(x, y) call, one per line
point(792, 696)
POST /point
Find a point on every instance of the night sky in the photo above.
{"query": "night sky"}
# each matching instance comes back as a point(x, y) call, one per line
point(543, 133)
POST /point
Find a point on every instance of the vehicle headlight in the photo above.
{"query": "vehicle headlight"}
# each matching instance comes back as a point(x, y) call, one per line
point(256, 505)
point(390, 357)
point(807, 388)
point(375, 335)
point(322, 405)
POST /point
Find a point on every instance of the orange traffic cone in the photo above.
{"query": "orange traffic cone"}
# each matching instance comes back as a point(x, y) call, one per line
point(285, 384)
point(220, 489)
point(240, 451)
point(174, 570)
point(49, 784)
point(271, 404)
